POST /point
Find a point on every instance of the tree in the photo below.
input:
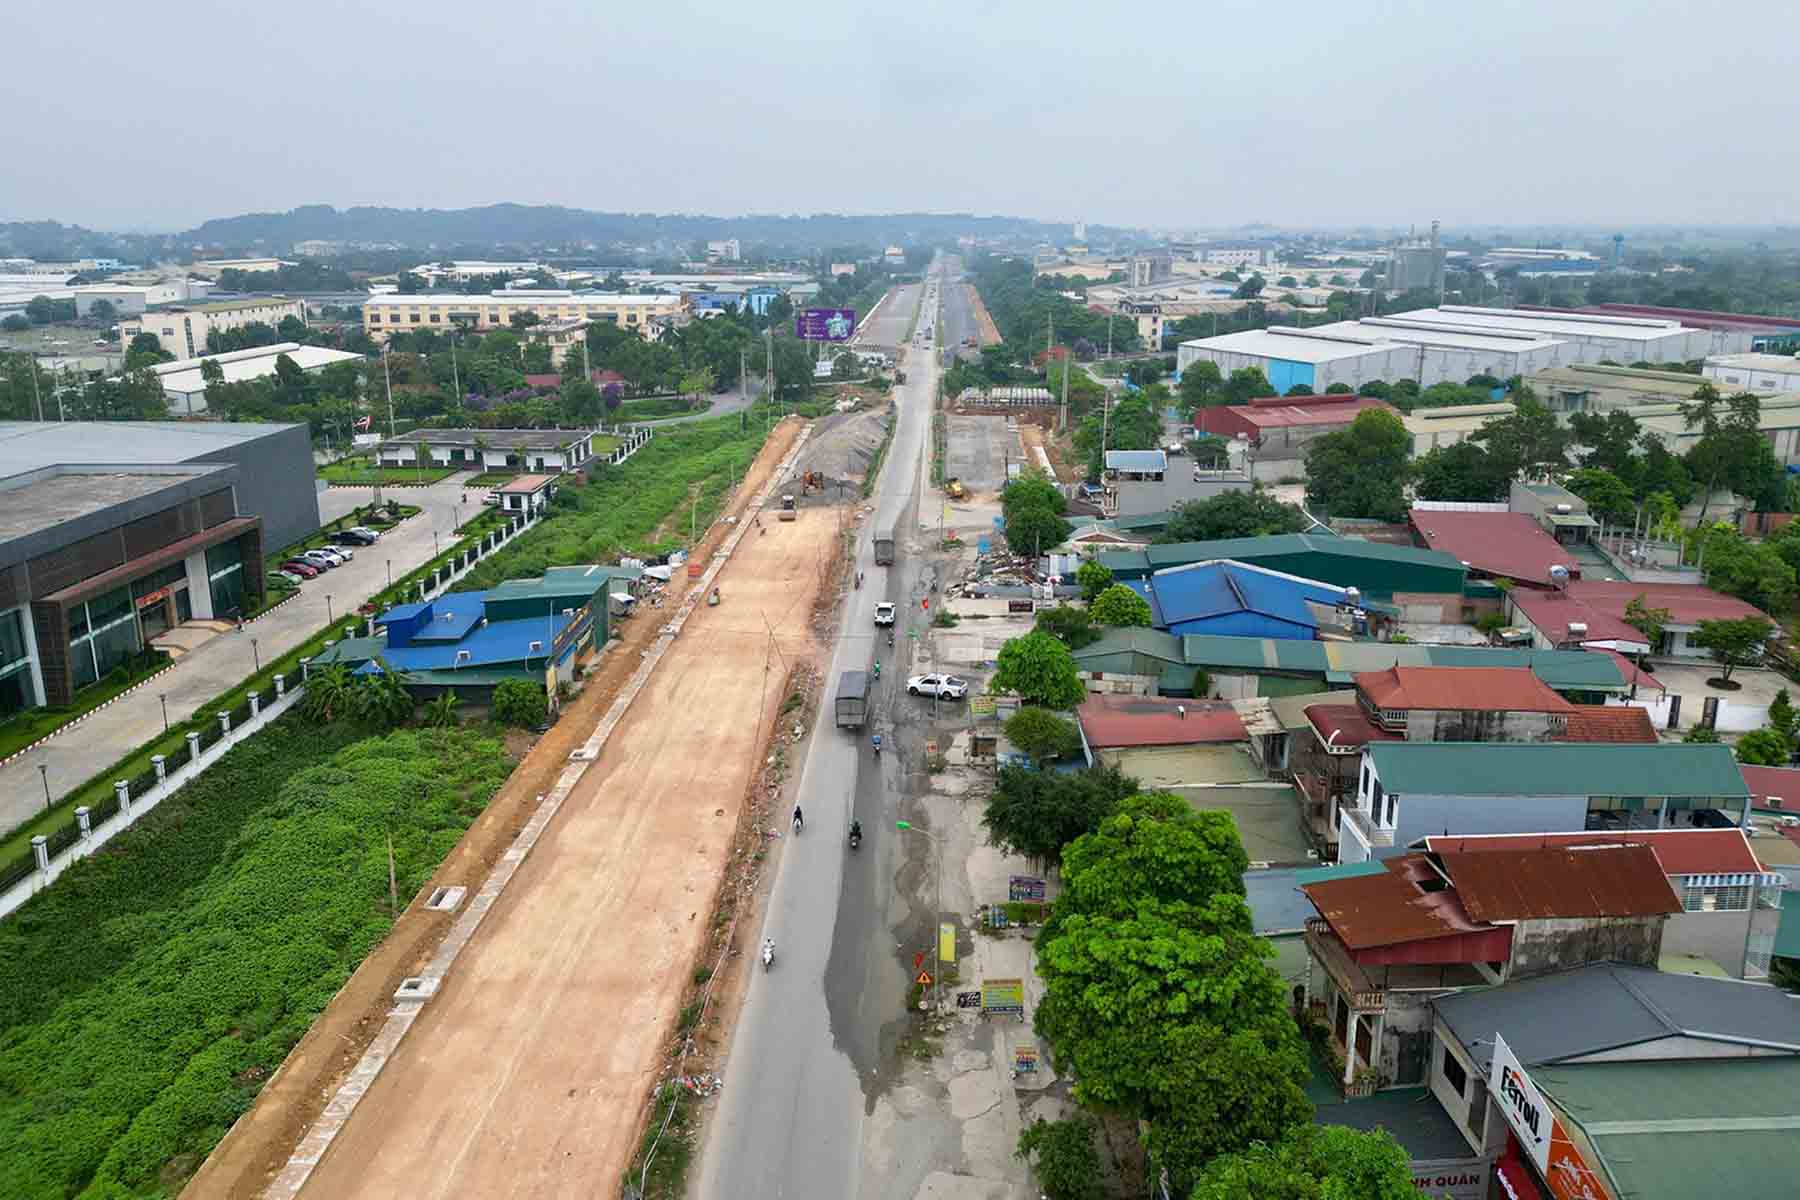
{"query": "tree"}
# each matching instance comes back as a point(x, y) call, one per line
point(1251, 288)
point(523, 320)
point(581, 402)
point(15, 323)
point(1034, 813)
point(1040, 670)
point(1783, 718)
point(520, 703)
point(327, 693)
point(1245, 385)
point(1032, 489)
point(1732, 642)
point(1651, 622)
point(1463, 471)
point(1611, 440)
point(41, 310)
point(380, 700)
point(440, 713)
point(1317, 1162)
point(145, 350)
point(1200, 385)
point(102, 310)
point(1034, 530)
point(1361, 471)
point(1041, 735)
point(1252, 513)
point(1752, 571)
point(1607, 496)
point(1702, 735)
point(1066, 1165)
point(1529, 441)
point(1120, 607)
point(1093, 579)
point(1070, 625)
point(1765, 748)
point(1731, 451)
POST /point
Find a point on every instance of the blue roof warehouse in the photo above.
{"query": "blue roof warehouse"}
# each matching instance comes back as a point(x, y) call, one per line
point(468, 642)
point(1239, 600)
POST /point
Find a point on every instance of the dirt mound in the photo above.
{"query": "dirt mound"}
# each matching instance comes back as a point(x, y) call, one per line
point(838, 456)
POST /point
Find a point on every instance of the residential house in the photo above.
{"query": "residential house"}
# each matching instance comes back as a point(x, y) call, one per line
point(540, 450)
point(1731, 906)
point(1406, 791)
point(1234, 599)
point(1387, 942)
point(1591, 612)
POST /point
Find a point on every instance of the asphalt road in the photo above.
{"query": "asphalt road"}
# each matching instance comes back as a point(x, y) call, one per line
point(808, 1045)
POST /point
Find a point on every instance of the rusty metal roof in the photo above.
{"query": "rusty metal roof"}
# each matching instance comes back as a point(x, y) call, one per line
point(1597, 881)
point(1390, 907)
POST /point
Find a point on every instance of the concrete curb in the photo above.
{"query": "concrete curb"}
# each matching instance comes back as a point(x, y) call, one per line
point(337, 1112)
point(98, 708)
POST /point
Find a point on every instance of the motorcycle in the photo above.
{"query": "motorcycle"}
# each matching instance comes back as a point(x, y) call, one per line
point(855, 839)
point(878, 669)
point(768, 953)
point(890, 639)
point(877, 740)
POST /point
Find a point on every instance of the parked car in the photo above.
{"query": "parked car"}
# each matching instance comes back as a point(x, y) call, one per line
point(372, 534)
point(280, 579)
point(302, 568)
point(323, 559)
point(350, 537)
point(944, 687)
point(884, 613)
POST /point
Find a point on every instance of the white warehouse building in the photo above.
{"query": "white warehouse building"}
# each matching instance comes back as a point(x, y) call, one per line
point(1753, 372)
point(1446, 344)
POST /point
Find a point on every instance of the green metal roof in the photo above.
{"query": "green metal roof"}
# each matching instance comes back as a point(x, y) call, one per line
point(1787, 936)
point(473, 676)
point(1337, 662)
point(351, 650)
point(1308, 875)
point(1679, 1129)
point(1557, 769)
point(1152, 643)
point(1153, 520)
point(1251, 548)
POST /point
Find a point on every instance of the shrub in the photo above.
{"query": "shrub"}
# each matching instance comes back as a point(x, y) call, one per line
point(520, 703)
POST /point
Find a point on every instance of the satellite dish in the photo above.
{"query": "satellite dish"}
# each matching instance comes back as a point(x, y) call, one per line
point(1559, 576)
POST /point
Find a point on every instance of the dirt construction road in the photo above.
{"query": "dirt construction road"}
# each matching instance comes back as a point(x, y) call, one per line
point(526, 1073)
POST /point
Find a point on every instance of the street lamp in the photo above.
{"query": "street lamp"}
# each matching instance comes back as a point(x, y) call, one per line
point(390, 566)
point(938, 854)
point(164, 698)
point(328, 616)
point(44, 773)
point(255, 659)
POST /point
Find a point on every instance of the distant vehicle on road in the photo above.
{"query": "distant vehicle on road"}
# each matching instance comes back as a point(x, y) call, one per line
point(944, 687)
point(884, 613)
point(788, 511)
point(884, 548)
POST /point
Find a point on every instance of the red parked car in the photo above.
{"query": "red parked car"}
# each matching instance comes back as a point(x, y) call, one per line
point(300, 567)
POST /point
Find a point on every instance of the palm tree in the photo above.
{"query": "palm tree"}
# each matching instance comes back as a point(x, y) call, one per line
point(325, 694)
point(382, 701)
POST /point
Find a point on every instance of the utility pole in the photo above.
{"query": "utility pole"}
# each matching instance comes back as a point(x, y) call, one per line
point(388, 377)
point(769, 364)
point(744, 389)
point(1065, 395)
point(35, 394)
point(455, 377)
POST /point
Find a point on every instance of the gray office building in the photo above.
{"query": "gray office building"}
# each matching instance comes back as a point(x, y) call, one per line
point(113, 532)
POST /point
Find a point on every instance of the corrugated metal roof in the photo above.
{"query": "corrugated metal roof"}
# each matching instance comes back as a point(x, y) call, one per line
point(1680, 851)
point(1607, 1006)
point(1197, 591)
point(1506, 543)
point(1111, 722)
point(1688, 603)
point(1137, 460)
point(1460, 689)
point(1555, 881)
point(1773, 787)
point(1389, 908)
point(1251, 548)
point(1153, 643)
point(1557, 769)
point(1675, 1130)
point(1566, 670)
point(1625, 723)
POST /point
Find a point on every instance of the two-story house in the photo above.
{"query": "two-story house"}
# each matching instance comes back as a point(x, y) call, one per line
point(1406, 791)
point(1438, 704)
point(1388, 941)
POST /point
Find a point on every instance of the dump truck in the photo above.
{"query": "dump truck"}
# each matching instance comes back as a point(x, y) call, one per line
point(852, 703)
point(788, 511)
point(955, 490)
point(884, 548)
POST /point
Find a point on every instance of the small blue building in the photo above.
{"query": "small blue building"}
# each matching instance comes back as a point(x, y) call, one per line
point(468, 642)
point(1233, 599)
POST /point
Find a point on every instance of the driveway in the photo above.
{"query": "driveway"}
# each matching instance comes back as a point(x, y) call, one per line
point(227, 660)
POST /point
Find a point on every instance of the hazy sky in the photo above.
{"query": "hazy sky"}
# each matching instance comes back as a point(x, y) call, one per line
point(120, 114)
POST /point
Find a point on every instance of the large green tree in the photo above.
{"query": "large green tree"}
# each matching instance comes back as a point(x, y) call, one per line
point(1316, 1162)
point(1361, 471)
point(1464, 471)
point(1733, 642)
point(1608, 497)
point(1063, 1158)
point(1041, 735)
point(1201, 385)
point(1529, 441)
point(1250, 513)
point(1119, 606)
point(1246, 384)
point(1035, 814)
point(1072, 626)
point(1040, 670)
point(1095, 578)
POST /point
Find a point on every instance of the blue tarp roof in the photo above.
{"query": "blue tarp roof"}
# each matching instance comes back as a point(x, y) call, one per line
point(452, 617)
point(1213, 589)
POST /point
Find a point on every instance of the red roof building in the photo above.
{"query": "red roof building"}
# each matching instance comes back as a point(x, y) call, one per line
point(1274, 422)
point(1680, 851)
point(1459, 689)
point(1599, 605)
point(1558, 621)
point(1773, 787)
point(1111, 722)
point(1508, 545)
point(1625, 723)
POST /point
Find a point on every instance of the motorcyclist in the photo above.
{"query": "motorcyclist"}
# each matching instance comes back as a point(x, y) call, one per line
point(877, 742)
point(855, 830)
point(768, 951)
point(799, 818)
point(878, 668)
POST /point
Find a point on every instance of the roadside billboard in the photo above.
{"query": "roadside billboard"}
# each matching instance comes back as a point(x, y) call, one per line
point(825, 324)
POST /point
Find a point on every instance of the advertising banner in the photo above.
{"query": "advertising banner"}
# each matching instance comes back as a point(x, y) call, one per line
point(825, 324)
point(1003, 996)
point(1451, 1179)
point(1546, 1143)
point(1024, 887)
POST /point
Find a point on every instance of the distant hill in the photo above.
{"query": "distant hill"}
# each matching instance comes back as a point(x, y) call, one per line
point(525, 226)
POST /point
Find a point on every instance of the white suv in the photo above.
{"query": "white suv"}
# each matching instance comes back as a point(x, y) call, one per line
point(944, 687)
point(884, 613)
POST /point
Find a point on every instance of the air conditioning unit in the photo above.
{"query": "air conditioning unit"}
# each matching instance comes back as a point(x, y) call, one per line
point(1577, 629)
point(1564, 509)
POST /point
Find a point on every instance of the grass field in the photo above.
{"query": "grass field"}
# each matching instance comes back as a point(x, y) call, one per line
point(147, 996)
point(361, 475)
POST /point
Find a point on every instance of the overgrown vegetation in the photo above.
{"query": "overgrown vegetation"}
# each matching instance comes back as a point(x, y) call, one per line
point(148, 995)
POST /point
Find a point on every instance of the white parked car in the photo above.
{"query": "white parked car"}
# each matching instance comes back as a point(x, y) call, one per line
point(884, 613)
point(323, 559)
point(944, 687)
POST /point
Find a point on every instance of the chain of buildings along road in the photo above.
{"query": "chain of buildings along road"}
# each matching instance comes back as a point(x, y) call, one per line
point(687, 1039)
